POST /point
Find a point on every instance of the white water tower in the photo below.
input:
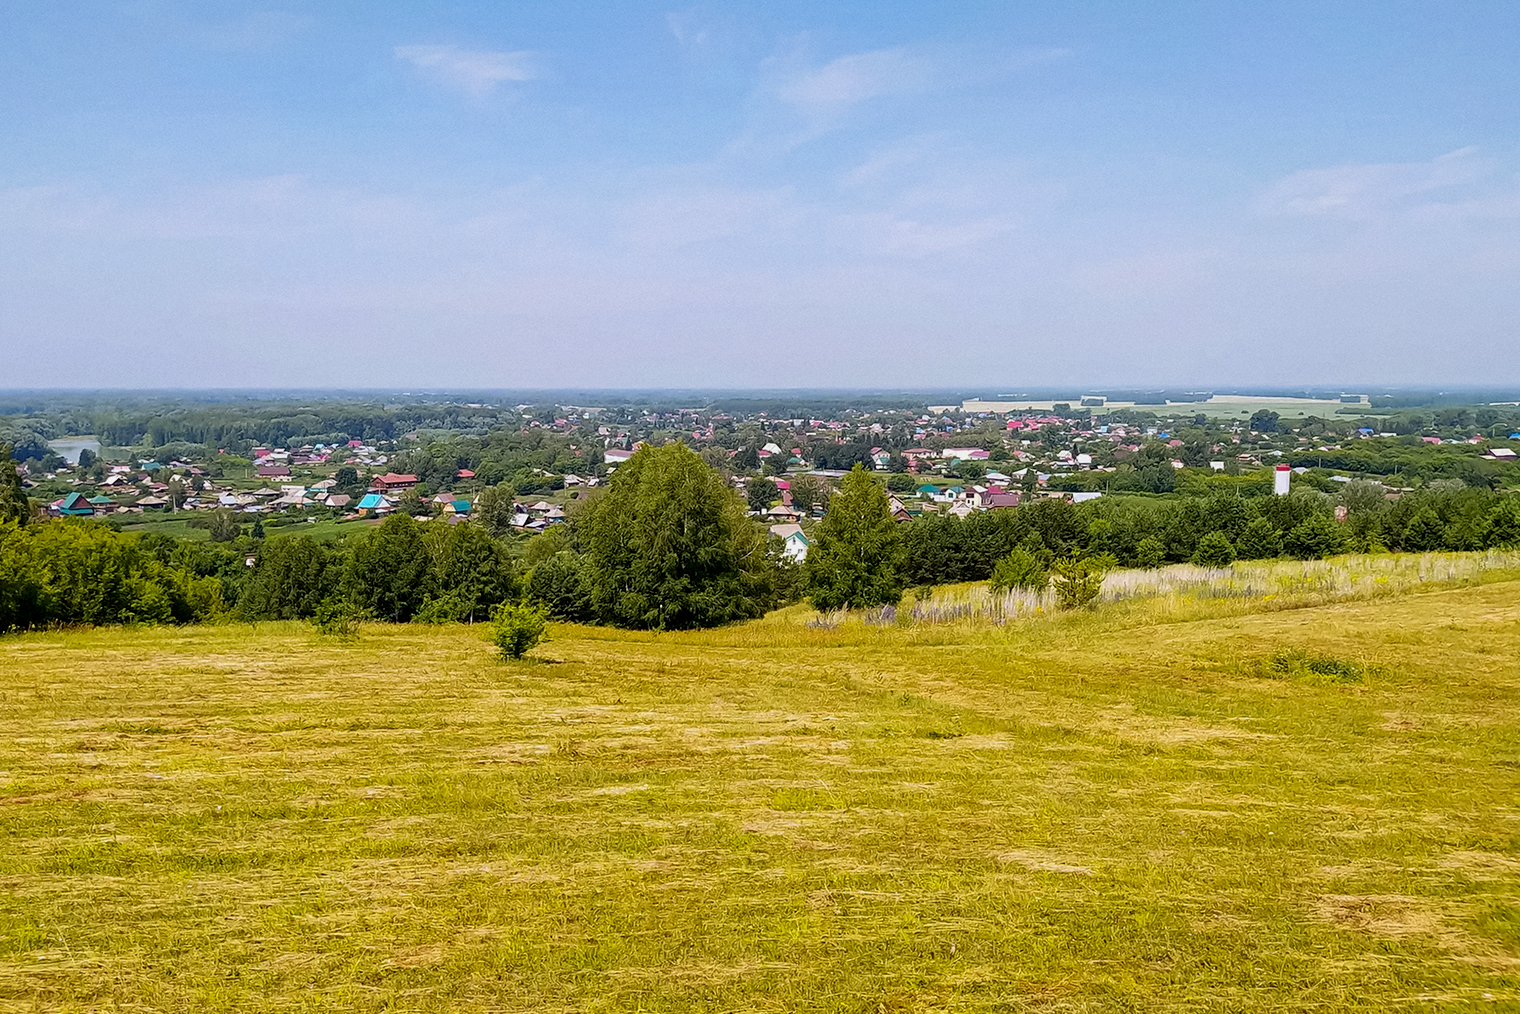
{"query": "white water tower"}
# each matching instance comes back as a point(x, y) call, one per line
point(1280, 480)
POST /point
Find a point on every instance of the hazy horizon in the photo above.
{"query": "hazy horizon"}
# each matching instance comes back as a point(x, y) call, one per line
point(737, 197)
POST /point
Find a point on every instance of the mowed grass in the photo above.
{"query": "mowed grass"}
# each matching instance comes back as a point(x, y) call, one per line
point(1099, 812)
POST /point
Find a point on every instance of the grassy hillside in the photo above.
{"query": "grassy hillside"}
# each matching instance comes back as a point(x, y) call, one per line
point(1115, 811)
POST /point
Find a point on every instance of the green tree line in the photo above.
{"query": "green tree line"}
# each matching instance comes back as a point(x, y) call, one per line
point(667, 545)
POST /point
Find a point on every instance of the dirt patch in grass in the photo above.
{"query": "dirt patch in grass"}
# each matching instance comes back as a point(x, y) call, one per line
point(1042, 862)
point(1386, 915)
point(1481, 864)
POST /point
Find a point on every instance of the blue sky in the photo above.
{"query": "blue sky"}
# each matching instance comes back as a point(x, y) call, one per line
point(778, 194)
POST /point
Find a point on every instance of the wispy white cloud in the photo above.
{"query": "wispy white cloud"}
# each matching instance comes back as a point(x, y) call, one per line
point(474, 72)
point(690, 29)
point(1359, 191)
point(835, 87)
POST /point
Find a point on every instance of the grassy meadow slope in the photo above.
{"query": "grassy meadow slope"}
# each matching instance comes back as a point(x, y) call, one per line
point(1090, 813)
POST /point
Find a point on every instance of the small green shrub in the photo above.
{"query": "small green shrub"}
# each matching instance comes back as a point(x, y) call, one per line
point(1020, 569)
point(1259, 541)
point(1150, 552)
point(1315, 539)
point(338, 618)
point(517, 627)
point(451, 607)
point(1295, 663)
point(1080, 579)
point(1214, 550)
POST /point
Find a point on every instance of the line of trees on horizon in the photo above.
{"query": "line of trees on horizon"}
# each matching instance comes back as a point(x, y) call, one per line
point(668, 545)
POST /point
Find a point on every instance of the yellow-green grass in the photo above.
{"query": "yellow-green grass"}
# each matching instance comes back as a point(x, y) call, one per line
point(1103, 811)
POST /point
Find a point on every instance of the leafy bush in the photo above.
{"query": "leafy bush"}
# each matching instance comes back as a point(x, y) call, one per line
point(1318, 537)
point(560, 585)
point(517, 627)
point(450, 607)
point(338, 618)
point(1020, 569)
point(1504, 526)
point(1150, 552)
point(1259, 541)
point(1214, 550)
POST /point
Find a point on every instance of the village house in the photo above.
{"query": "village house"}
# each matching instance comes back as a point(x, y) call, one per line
point(994, 498)
point(377, 502)
point(390, 482)
point(795, 541)
point(965, 454)
point(75, 505)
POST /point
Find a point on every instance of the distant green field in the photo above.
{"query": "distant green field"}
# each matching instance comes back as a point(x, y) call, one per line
point(179, 527)
point(1218, 804)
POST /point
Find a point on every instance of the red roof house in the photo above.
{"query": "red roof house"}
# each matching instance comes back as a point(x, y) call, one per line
point(390, 482)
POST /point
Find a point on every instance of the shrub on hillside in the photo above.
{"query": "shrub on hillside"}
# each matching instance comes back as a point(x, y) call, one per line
point(1214, 550)
point(518, 627)
point(1079, 579)
point(338, 618)
point(1259, 541)
point(1315, 539)
point(1020, 570)
point(1295, 663)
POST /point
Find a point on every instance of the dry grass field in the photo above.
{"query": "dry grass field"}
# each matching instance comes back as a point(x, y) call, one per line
point(1112, 811)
